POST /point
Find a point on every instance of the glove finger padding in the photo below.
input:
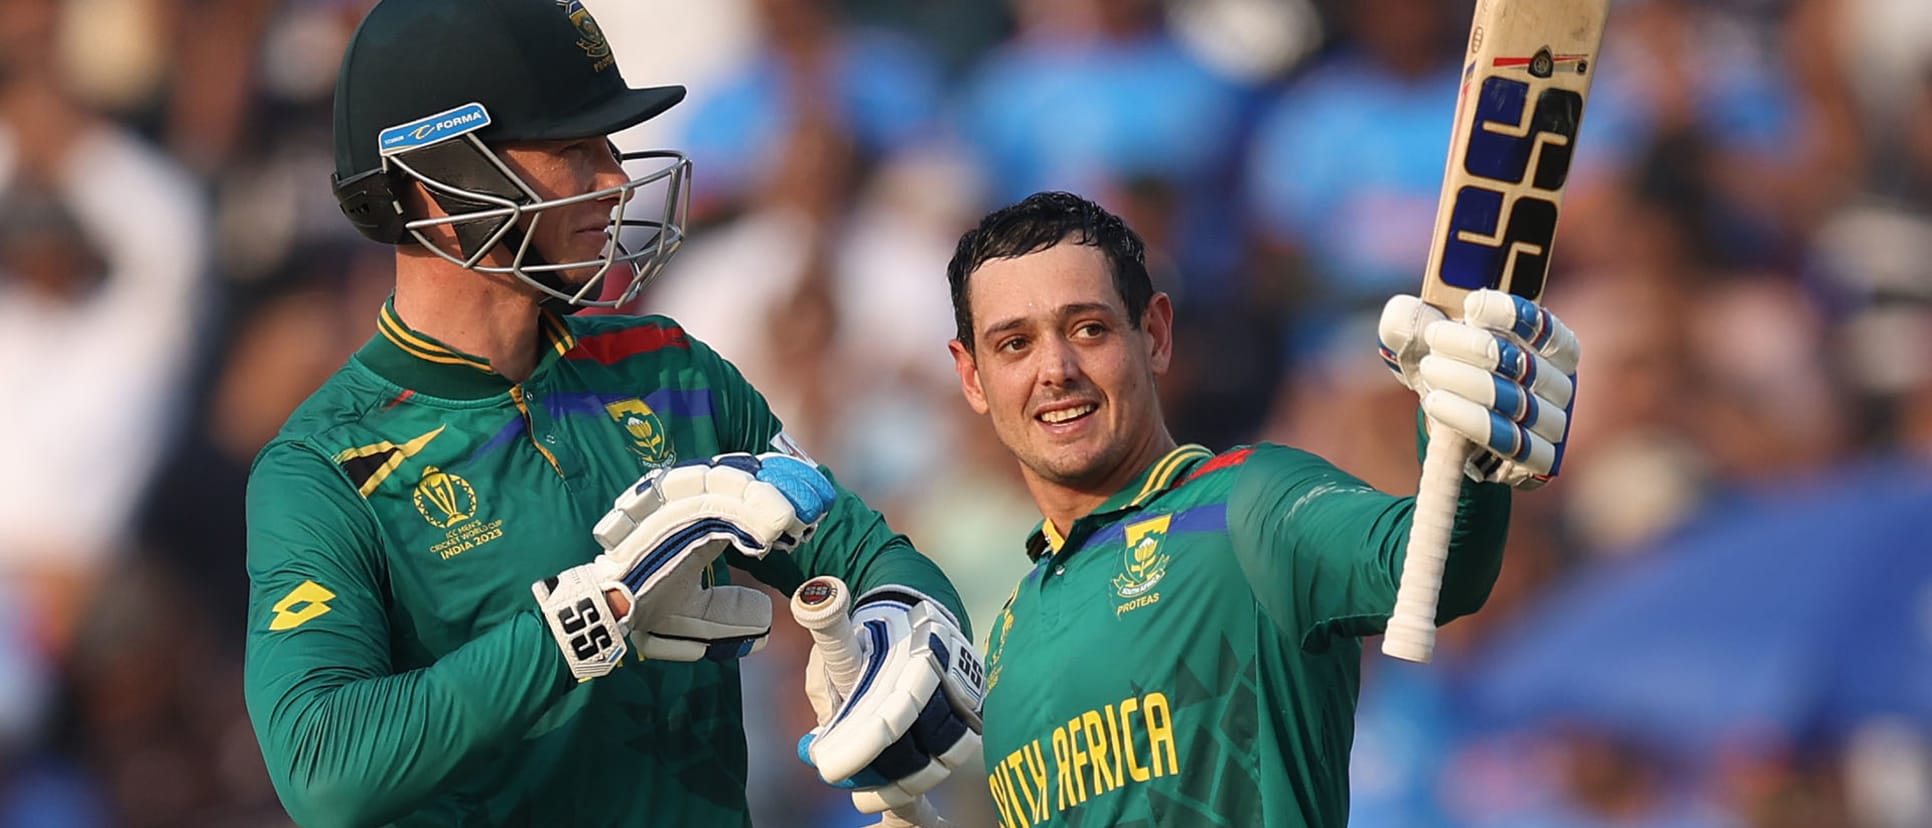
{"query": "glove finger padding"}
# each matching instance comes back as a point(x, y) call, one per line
point(1504, 398)
point(719, 623)
point(1501, 355)
point(663, 532)
point(1489, 429)
point(1404, 319)
point(914, 716)
point(1529, 323)
point(1503, 376)
point(808, 490)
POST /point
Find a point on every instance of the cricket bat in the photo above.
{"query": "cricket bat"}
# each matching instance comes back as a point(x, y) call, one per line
point(1525, 79)
point(822, 606)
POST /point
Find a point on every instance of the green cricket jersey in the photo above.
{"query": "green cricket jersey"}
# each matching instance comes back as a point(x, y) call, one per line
point(397, 669)
point(1187, 654)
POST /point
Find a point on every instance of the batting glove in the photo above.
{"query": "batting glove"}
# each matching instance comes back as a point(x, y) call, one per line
point(706, 623)
point(659, 538)
point(1504, 377)
point(913, 717)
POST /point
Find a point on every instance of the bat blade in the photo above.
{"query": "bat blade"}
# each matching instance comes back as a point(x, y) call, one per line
point(1526, 77)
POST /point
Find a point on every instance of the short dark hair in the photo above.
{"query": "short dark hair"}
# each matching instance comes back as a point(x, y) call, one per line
point(1036, 223)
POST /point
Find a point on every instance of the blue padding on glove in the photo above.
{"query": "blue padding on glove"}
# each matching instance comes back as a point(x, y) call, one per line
point(809, 492)
point(937, 729)
point(867, 778)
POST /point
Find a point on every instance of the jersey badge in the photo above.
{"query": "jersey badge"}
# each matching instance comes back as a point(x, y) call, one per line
point(590, 38)
point(1144, 564)
point(444, 499)
point(301, 605)
point(448, 502)
point(648, 440)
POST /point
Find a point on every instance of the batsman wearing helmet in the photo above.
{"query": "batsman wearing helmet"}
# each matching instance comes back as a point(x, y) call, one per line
point(488, 559)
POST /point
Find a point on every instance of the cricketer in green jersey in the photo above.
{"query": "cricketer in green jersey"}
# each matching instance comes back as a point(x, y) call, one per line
point(488, 558)
point(1185, 651)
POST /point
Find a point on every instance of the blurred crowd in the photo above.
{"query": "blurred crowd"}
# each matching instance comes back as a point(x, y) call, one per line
point(1746, 255)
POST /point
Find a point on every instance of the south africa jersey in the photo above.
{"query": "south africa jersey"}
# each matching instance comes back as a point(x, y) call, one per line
point(397, 672)
point(1188, 653)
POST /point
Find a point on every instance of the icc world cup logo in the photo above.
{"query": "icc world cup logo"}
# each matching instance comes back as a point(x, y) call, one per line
point(444, 499)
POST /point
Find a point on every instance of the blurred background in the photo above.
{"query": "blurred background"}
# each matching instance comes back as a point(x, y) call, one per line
point(1720, 615)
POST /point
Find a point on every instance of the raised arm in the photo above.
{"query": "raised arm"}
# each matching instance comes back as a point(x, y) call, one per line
point(1323, 550)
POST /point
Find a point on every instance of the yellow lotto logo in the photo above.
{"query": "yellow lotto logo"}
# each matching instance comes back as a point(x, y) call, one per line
point(444, 499)
point(302, 605)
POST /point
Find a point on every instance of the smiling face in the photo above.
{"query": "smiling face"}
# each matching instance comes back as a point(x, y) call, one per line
point(1065, 377)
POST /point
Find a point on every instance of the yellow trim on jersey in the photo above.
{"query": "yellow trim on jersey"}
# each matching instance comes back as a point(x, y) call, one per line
point(1054, 539)
point(1167, 469)
point(301, 605)
point(403, 452)
point(516, 396)
point(392, 329)
point(558, 333)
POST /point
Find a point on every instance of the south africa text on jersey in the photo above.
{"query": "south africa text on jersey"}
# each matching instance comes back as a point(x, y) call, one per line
point(1094, 753)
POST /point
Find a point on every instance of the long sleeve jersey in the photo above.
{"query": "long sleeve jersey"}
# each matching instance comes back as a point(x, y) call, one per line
point(1188, 653)
point(397, 670)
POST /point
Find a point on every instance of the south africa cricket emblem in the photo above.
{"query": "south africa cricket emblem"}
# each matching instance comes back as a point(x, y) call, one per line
point(648, 438)
point(590, 37)
point(1145, 564)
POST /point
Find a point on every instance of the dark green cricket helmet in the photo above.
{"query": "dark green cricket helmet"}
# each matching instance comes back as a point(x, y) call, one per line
point(428, 87)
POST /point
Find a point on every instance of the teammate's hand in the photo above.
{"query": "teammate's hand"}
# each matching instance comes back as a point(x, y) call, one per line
point(913, 719)
point(1504, 377)
point(658, 539)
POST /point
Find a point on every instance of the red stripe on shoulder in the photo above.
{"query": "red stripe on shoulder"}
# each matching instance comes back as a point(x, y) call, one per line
point(1229, 460)
point(608, 348)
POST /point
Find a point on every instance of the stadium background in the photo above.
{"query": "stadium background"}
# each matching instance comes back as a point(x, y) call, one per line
point(1746, 255)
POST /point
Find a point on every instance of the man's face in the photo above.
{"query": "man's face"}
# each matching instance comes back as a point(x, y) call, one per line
point(562, 169)
point(1067, 381)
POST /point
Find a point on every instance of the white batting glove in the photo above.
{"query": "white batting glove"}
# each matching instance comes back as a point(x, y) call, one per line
point(914, 716)
point(658, 539)
point(1504, 377)
point(706, 623)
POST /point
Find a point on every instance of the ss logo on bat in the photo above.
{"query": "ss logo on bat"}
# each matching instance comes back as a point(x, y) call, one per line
point(1512, 229)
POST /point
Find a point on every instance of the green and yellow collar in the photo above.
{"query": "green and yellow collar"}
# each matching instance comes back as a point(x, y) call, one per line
point(1158, 477)
point(420, 363)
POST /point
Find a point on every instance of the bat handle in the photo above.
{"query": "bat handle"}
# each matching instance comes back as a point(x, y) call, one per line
point(1411, 634)
point(820, 606)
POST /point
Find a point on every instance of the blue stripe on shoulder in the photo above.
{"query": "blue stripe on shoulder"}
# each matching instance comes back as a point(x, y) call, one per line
point(676, 402)
point(1208, 517)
